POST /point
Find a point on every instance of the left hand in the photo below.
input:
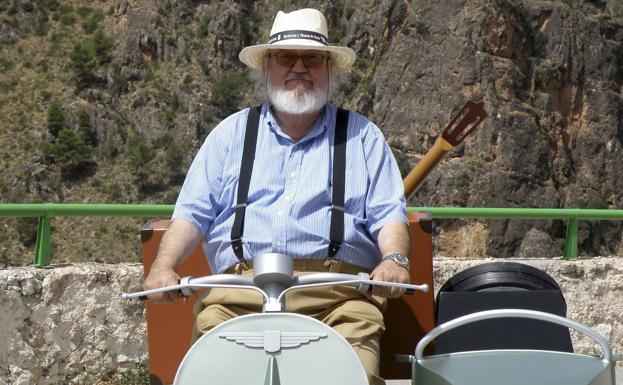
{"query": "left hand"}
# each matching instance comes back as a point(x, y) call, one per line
point(389, 271)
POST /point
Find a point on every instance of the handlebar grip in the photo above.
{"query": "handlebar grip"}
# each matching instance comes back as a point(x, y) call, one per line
point(409, 291)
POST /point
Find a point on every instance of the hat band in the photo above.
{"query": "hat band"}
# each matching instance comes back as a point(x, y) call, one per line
point(297, 34)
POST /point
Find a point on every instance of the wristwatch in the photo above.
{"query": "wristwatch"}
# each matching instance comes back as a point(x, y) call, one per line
point(398, 259)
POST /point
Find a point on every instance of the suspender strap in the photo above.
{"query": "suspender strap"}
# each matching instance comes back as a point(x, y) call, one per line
point(336, 232)
point(246, 167)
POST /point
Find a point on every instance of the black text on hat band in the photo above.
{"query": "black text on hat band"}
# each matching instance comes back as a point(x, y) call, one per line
point(287, 35)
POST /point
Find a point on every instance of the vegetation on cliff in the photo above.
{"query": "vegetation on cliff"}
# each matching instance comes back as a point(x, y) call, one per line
point(107, 101)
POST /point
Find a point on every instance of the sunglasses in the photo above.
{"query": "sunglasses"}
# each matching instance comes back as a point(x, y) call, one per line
point(289, 59)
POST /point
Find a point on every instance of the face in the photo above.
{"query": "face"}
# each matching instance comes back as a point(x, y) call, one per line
point(297, 81)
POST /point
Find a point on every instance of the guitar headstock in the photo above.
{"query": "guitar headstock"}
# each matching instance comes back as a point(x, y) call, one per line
point(468, 118)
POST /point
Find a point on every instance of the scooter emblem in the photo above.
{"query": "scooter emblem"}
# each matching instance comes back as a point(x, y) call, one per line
point(272, 341)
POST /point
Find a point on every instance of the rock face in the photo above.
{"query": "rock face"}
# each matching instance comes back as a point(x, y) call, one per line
point(68, 325)
point(550, 73)
point(554, 98)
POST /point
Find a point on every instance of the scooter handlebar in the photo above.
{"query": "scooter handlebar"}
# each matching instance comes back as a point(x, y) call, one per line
point(188, 285)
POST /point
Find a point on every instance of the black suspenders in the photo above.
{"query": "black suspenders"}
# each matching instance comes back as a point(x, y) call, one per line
point(246, 167)
point(336, 232)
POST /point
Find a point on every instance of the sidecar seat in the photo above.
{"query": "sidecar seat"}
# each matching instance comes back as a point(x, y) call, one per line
point(169, 326)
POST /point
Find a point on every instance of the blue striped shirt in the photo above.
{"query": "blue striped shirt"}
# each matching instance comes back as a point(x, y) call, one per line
point(290, 194)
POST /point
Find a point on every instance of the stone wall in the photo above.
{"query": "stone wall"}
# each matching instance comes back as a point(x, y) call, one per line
point(68, 324)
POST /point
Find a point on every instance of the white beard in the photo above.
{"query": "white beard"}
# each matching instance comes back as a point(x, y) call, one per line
point(297, 101)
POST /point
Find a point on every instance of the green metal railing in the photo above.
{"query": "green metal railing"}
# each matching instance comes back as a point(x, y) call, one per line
point(46, 211)
point(571, 215)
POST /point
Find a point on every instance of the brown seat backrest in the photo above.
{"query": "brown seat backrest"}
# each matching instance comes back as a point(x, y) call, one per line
point(169, 326)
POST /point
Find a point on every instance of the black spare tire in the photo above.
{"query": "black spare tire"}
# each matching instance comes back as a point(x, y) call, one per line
point(496, 276)
point(501, 285)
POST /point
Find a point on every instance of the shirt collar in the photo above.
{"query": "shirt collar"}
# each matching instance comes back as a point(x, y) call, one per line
point(319, 127)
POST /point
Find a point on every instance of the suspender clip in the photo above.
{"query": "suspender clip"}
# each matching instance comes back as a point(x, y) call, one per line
point(336, 207)
point(236, 244)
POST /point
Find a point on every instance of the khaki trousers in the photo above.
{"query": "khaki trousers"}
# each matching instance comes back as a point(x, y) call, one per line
point(358, 319)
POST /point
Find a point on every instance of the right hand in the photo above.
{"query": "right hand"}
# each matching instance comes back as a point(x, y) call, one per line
point(161, 276)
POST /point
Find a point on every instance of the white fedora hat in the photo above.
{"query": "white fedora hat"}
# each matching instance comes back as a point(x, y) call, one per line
point(305, 29)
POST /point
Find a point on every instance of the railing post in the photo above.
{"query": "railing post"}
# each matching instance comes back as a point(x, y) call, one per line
point(43, 247)
point(571, 240)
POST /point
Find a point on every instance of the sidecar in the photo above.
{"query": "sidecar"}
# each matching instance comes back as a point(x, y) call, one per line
point(512, 366)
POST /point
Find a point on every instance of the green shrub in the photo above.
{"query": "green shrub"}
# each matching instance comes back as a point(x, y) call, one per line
point(68, 19)
point(102, 46)
point(27, 6)
point(6, 64)
point(203, 30)
point(12, 10)
point(45, 95)
point(139, 154)
point(41, 29)
point(92, 23)
point(82, 63)
point(188, 79)
point(65, 8)
point(42, 65)
point(50, 5)
point(84, 11)
point(110, 150)
point(113, 190)
point(86, 129)
point(56, 118)
point(227, 91)
point(26, 230)
point(71, 153)
point(173, 159)
point(8, 85)
point(86, 55)
point(138, 375)
point(119, 83)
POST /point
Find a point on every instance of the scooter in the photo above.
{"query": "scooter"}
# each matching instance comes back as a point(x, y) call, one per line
point(273, 347)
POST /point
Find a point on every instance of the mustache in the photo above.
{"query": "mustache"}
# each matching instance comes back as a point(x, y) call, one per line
point(297, 76)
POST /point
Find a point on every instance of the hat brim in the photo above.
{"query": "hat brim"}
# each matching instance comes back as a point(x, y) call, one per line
point(341, 57)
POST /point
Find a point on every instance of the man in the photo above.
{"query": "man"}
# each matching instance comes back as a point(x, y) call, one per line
point(290, 199)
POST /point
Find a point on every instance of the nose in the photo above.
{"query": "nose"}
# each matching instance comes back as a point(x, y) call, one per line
point(298, 65)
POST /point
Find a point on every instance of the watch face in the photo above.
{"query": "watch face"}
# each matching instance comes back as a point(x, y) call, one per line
point(401, 258)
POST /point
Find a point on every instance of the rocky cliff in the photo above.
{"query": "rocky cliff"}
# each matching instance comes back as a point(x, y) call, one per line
point(108, 101)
